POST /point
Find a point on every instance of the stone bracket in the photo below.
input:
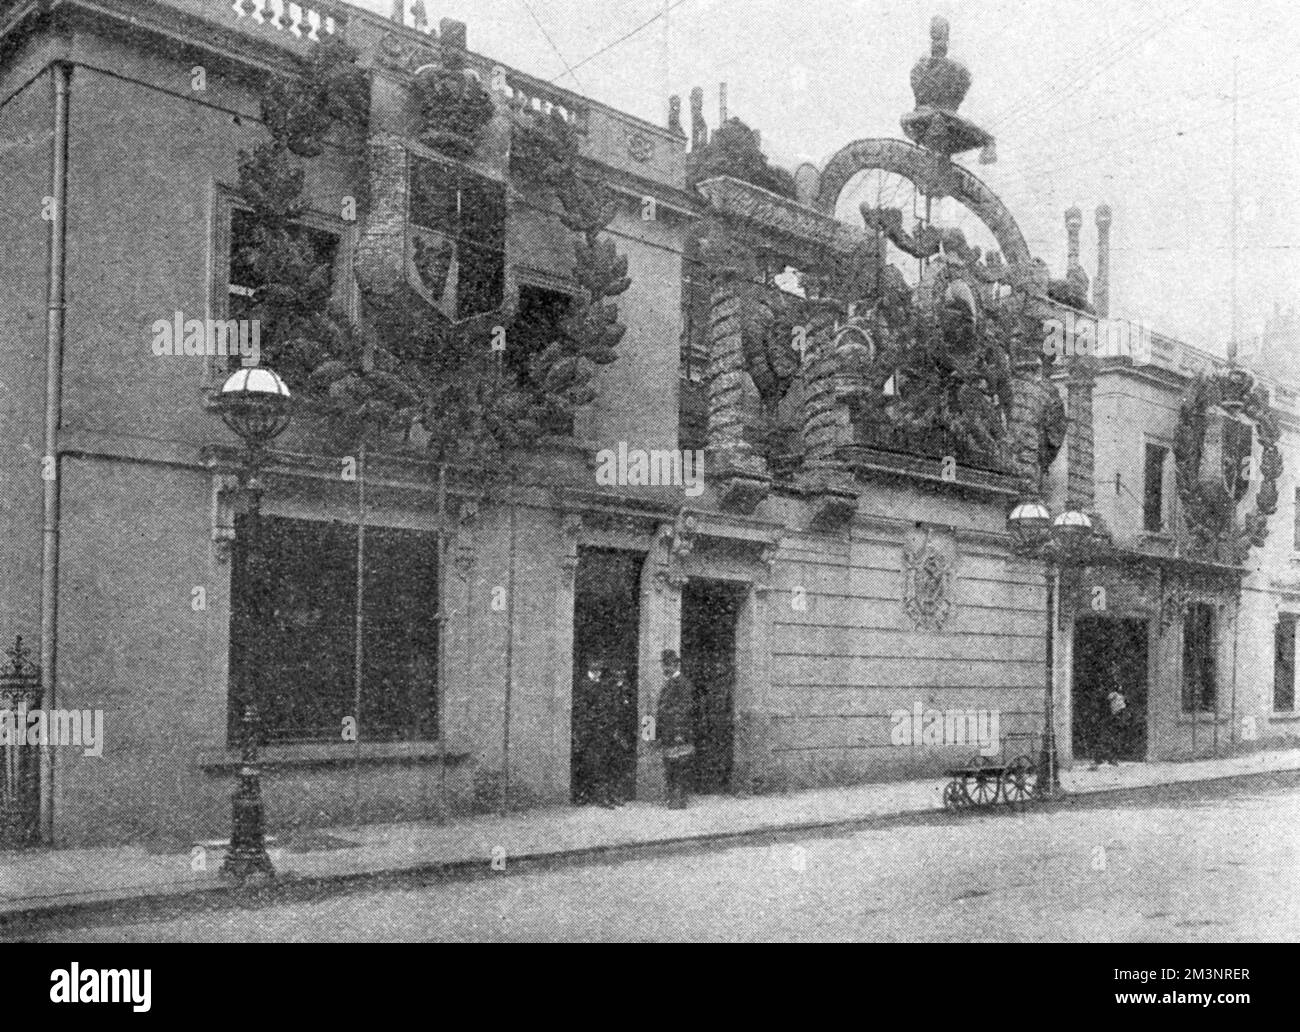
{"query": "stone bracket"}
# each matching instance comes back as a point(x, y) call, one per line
point(741, 479)
point(466, 553)
point(225, 497)
point(833, 498)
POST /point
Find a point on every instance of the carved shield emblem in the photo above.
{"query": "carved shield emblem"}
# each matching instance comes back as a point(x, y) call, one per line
point(927, 580)
point(456, 239)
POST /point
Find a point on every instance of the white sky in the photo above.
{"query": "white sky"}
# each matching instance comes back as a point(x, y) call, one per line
point(1090, 101)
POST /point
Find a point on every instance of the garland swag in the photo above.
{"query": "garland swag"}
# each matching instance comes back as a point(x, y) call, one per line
point(408, 370)
point(1209, 509)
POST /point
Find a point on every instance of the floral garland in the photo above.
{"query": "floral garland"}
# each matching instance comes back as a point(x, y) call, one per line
point(954, 369)
point(544, 153)
point(405, 370)
point(1209, 508)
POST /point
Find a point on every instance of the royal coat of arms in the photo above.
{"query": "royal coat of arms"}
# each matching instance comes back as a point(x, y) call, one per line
point(927, 582)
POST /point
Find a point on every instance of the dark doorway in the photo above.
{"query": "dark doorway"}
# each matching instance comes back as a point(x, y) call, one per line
point(709, 613)
point(1106, 650)
point(606, 624)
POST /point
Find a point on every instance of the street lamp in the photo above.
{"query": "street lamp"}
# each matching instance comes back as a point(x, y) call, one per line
point(255, 404)
point(1052, 540)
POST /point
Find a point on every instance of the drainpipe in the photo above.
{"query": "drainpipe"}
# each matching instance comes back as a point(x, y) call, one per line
point(54, 324)
point(510, 658)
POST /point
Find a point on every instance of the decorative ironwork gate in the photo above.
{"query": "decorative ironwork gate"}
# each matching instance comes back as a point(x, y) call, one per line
point(20, 763)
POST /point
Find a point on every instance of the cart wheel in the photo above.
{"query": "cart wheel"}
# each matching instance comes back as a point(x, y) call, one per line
point(952, 796)
point(980, 787)
point(1019, 780)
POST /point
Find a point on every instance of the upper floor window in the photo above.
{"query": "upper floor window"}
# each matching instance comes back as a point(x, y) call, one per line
point(461, 250)
point(1153, 490)
point(537, 324)
point(1284, 663)
point(319, 255)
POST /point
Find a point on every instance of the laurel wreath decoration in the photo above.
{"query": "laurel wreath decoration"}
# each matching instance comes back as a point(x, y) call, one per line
point(544, 153)
point(405, 371)
point(1209, 509)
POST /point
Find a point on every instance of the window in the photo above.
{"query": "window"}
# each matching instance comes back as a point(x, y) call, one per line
point(463, 217)
point(320, 251)
point(1153, 495)
point(293, 623)
point(1199, 679)
point(1284, 663)
point(539, 321)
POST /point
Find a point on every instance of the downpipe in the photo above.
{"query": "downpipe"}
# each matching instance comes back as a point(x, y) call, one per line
point(50, 470)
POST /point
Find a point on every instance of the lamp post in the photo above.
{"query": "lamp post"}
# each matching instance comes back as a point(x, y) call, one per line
point(1052, 540)
point(254, 403)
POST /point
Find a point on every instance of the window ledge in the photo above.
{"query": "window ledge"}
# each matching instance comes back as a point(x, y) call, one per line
point(1204, 718)
point(1287, 716)
point(332, 754)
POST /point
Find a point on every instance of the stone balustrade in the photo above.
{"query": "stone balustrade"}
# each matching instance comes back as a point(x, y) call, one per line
point(311, 21)
point(535, 95)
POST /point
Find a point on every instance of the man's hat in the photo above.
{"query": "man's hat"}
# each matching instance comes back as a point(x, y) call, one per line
point(669, 656)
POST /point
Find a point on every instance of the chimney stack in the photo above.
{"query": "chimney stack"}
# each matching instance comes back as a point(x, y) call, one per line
point(1073, 223)
point(1101, 289)
point(675, 116)
point(699, 128)
point(722, 104)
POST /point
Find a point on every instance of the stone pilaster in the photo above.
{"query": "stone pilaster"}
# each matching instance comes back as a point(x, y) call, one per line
point(661, 624)
point(380, 262)
point(561, 708)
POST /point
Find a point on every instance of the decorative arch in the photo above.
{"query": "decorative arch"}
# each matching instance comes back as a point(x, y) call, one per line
point(926, 169)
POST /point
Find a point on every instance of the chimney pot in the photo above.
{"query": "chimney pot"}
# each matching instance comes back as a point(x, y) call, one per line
point(1101, 288)
point(699, 128)
point(1073, 221)
point(675, 115)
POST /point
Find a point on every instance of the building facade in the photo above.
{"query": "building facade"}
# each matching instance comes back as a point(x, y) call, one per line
point(796, 469)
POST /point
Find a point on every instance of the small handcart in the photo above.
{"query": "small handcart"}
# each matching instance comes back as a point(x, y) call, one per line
point(983, 783)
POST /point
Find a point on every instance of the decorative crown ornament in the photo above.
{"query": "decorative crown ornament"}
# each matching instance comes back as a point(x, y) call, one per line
point(939, 85)
point(937, 80)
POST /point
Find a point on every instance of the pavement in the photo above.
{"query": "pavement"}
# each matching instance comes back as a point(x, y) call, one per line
point(66, 883)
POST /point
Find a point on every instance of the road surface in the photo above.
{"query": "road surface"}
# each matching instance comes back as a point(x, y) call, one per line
point(1222, 866)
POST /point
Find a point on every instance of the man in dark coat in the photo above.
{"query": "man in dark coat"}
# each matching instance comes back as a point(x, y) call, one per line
point(674, 729)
